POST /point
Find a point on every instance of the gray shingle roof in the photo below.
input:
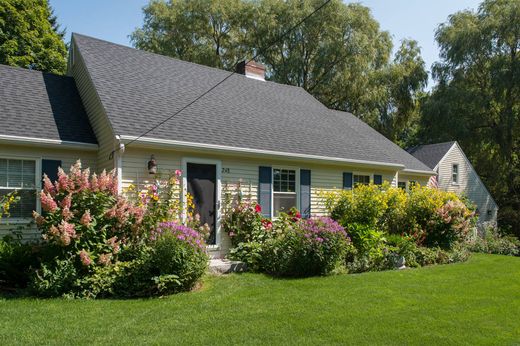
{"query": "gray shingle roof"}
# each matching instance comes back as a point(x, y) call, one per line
point(42, 105)
point(431, 154)
point(139, 89)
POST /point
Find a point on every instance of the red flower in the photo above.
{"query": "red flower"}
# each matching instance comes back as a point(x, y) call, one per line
point(258, 208)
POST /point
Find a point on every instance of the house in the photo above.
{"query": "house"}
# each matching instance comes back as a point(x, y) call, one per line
point(455, 173)
point(275, 142)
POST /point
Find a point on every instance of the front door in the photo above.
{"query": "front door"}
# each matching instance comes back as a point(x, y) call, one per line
point(201, 179)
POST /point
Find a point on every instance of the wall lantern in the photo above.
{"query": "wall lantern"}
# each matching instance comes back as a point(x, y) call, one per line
point(152, 165)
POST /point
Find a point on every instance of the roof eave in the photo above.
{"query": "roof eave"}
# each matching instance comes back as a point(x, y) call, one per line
point(418, 172)
point(174, 144)
point(47, 142)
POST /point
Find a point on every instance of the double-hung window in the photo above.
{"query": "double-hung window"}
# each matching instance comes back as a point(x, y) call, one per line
point(455, 173)
point(20, 176)
point(284, 190)
point(361, 179)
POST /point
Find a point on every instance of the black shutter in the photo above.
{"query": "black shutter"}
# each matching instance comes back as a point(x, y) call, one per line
point(305, 193)
point(265, 182)
point(378, 179)
point(50, 167)
point(347, 181)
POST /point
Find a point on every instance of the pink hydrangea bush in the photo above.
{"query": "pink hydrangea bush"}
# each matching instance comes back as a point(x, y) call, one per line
point(101, 243)
point(84, 216)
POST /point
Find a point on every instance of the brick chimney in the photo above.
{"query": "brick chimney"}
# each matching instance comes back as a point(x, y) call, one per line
point(251, 69)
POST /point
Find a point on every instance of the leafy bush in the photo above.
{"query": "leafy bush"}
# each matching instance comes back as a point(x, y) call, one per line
point(98, 243)
point(495, 242)
point(16, 261)
point(306, 247)
point(179, 258)
point(431, 216)
point(248, 231)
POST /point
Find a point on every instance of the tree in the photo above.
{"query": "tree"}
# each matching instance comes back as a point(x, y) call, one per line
point(339, 54)
point(207, 32)
point(30, 36)
point(477, 99)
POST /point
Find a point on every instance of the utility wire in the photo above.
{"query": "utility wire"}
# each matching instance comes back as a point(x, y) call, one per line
point(259, 52)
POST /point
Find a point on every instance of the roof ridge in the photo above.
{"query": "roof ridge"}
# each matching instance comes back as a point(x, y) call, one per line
point(189, 62)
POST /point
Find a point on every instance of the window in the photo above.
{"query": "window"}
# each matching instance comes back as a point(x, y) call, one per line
point(402, 185)
point(489, 214)
point(361, 179)
point(20, 176)
point(284, 190)
point(455, 173)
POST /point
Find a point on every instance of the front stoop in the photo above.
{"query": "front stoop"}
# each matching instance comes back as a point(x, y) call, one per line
point(225, 266)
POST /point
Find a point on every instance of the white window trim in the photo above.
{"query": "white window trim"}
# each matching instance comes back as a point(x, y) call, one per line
point(453, 182)
point(218, 206)
point(37, 187)
point(296, 188)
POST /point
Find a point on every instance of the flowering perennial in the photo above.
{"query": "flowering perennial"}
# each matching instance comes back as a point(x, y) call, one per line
point(184, 233)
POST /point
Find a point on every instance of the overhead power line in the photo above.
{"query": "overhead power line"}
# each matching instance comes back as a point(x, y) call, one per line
point(259, 52)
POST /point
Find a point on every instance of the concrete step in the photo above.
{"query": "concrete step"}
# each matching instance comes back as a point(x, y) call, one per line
point(225, 266)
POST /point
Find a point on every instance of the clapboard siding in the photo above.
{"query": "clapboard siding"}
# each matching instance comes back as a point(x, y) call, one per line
point(238, 172)
point(67, 158)
point(469, 183)
point(95, 111)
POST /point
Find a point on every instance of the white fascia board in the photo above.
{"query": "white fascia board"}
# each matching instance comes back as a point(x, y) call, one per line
point(55, 143)
point(168, 143)
point(418, 172)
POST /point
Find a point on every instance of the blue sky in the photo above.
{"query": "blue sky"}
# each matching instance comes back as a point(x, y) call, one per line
point(114, 20)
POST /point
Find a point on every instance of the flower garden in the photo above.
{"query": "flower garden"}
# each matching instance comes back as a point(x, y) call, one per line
point(96, 243)
point(370, 228)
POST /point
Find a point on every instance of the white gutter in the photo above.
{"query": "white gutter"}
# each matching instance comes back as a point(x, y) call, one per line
point(168, 143)
point(56, 143)
point(418, 172)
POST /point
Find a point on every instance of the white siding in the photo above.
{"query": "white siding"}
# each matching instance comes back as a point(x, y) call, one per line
point(67, 157)
point(95, 111)
point(469, 183)
point(241, 171)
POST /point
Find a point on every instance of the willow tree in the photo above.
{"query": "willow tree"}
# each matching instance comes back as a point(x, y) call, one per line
point(477, 99)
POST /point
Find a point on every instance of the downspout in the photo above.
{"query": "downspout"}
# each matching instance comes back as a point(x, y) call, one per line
point(118, 162)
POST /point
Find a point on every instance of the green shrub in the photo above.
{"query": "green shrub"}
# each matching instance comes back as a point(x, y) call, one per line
point(495, 242)
point(248, 231)
point(431, 216)
point(16, 261)
point(178, 264)
point(305, 247)
point(56, 278)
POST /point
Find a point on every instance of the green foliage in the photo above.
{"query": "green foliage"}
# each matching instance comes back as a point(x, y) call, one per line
point(30, 36)
point(433, 217)
point(340, 55)
point(177, 264)
point(16, 259)
point(495, 242)
point(306, 247)
point(477, 98)
point(55, 278)
point(101, 244)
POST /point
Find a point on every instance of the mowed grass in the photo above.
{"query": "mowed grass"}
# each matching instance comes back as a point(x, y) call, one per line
point(477, 302)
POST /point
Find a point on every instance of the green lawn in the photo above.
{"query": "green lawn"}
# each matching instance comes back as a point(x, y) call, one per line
point(477, 302)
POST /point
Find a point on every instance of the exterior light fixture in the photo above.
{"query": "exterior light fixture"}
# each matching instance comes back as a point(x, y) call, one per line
point(152, 165)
